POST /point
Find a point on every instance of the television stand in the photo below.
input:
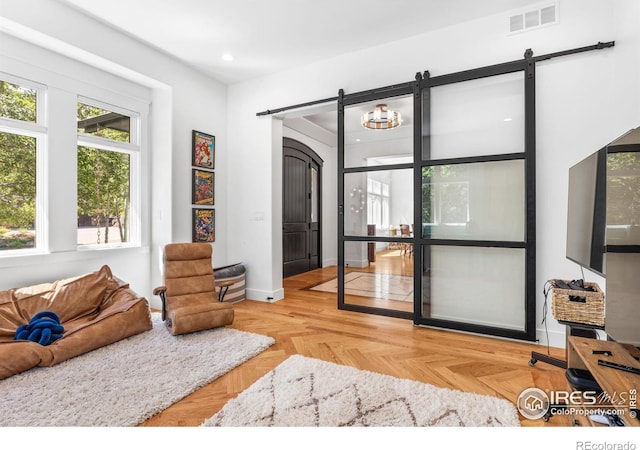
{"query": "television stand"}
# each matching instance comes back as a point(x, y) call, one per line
point(535, 357)
point(573, 329)
point(621, 386)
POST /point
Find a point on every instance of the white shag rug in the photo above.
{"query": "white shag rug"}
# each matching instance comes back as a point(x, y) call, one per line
point(308, 392)
point(127, 382)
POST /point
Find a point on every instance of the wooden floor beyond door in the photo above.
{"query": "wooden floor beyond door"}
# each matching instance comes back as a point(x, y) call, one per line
point(308, 323)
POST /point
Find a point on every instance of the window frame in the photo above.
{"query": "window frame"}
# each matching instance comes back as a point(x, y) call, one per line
point(57, 140)
point(40, 132)
point(134, 149)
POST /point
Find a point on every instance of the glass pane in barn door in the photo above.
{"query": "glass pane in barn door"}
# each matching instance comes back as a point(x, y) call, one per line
point(384, 146)
point(475, 201)
point(476, 118)
point(474, 285)
point(474, 262)
point(379, 274)
point(376, 159)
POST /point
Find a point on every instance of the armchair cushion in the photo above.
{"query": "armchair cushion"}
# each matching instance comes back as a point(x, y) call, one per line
point(199, 317)
point(189, 293)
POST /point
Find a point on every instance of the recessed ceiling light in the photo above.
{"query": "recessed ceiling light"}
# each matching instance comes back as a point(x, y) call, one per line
point(357, 140)
point(508, 119)
point(227, 57)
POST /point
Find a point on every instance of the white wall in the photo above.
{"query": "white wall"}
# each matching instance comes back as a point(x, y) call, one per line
point(401, 187)
point(182, 99)
point(583, 102)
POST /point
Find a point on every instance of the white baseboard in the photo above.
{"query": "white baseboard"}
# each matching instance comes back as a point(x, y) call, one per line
point(329, 262)
point(356, 263)
point(155, 303)
point(265, 296)
point(556, 338)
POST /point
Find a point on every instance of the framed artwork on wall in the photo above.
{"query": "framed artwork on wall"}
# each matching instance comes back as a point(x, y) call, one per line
point(204, 225)
point(203, 187)
point(204, 150)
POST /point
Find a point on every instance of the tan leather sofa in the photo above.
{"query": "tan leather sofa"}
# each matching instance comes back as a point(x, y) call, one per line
point(96, 309)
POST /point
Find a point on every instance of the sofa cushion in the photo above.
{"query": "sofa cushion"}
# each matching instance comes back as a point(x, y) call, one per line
point(70, 298)
point(10, 317)
point(18, 356)
point(106, 328)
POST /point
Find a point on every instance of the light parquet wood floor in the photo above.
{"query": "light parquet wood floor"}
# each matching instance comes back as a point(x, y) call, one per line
point(309, 323)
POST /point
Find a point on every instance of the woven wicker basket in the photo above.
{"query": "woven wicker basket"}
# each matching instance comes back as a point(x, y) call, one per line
point(586, 307)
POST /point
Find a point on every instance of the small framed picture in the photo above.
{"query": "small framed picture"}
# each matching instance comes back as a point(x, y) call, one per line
point(204, 150)
point(203, 187)
point(204, 227)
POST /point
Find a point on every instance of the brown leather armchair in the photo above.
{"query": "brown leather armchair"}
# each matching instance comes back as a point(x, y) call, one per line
point(189, 295)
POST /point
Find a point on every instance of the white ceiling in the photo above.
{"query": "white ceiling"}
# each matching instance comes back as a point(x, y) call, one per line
point(268, 36)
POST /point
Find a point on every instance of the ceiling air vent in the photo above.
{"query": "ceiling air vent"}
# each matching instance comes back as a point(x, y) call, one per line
point(534, 18)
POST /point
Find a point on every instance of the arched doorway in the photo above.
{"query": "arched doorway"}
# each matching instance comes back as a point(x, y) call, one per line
point(301, 208)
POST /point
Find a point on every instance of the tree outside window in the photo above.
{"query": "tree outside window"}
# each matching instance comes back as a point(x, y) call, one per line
point(18, 104)
point(107, 151)
point(445, 197)
point(104, 174)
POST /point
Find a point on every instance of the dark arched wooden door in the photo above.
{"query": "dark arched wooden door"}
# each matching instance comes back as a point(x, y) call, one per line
point(301, 208)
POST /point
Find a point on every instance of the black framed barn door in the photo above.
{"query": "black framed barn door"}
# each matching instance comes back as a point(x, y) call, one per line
point(301, 208)
point(470, 240)
point(460, 170)
point(375, 202)
point(475, 189)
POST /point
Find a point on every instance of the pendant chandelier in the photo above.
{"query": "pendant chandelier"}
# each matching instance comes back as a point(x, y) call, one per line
point(382, 118)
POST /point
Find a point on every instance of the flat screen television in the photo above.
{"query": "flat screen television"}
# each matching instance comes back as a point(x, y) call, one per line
point(586, 212)
point(603, 229)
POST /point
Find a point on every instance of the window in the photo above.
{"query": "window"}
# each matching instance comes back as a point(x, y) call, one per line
point(95, 121)
point(18, 102)
point(378, 203)
point(444, 202)
point(22, 134)
point(72, 150)
point(107, 155)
